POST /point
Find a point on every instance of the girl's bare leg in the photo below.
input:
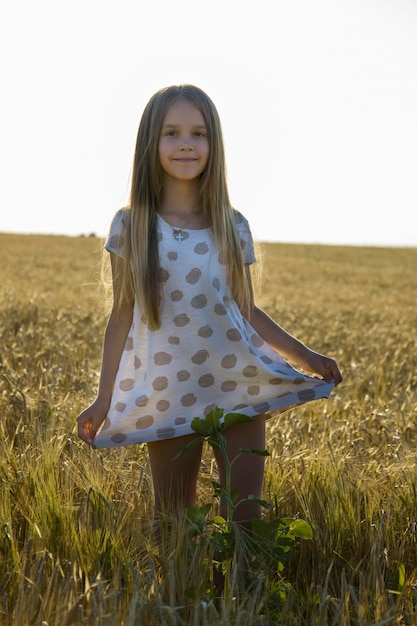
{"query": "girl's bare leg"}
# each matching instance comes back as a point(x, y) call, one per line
point(174, 481)
point(248, 470)
point(247, 476)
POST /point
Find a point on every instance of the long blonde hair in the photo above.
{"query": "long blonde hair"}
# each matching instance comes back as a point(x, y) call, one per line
point(142, 266)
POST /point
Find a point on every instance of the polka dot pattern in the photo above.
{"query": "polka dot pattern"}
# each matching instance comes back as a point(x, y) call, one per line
point(163, 275)
point(201, 248)
point(229, 385)
point(141, 401)
point(193, 276)
point(162, 405)
point(205, 332)
point(250, 370)
point(129, 343)
point(162, 358)
point(220, 309)
point(144, 422)
point(206, 381)
point(200, 357)
point(165, 433)
point(229, 361)
point(119, 438)
point(205, 354)
point(160, 383)
point(127, 384)
point(233, 334)
point(188, 399)
point(199, 302)
point(181, 320)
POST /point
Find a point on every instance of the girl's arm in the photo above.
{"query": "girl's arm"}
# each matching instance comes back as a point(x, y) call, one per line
point(290, 347)
point(117, 329)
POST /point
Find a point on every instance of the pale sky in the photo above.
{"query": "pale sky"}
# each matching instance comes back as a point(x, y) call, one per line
point(318, 101)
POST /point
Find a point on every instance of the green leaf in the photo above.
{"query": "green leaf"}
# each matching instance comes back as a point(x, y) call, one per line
point(401, 576)
point(254, 451)
point(264, 503)
point(260, 528)
point(196, 514)
point(218, 489)
point(213, 418)
point(300, 528)
point(236, 418)
point(201, 426)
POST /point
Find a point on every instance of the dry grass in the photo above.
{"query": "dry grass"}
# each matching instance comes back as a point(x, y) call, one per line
point(74, 523)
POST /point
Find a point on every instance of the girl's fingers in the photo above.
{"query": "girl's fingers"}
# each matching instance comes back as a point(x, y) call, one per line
point(85, 429)
point(332, 373)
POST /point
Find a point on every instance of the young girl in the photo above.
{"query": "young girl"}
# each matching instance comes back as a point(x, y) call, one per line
point(184, 334)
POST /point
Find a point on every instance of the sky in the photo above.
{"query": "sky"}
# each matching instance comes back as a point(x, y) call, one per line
point(318, 102)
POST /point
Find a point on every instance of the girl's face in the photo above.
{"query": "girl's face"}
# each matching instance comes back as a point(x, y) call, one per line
point(183, 144)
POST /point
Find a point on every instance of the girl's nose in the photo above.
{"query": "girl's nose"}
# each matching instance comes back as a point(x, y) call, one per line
point(186, 143)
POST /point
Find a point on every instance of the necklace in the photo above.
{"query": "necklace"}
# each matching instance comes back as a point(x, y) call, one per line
point(177, 232)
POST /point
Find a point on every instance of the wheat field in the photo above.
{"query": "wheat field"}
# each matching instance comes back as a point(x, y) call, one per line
point(75, 540)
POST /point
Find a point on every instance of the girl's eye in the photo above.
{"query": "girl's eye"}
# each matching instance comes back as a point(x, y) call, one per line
point(196, 133)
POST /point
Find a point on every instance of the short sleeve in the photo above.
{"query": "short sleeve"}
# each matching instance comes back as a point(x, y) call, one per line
point(117, 236)
point(246, 240)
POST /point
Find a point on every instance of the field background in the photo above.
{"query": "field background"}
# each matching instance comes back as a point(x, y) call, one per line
point(74, 522)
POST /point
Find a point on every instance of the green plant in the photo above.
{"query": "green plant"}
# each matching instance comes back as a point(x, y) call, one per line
point(269, 544)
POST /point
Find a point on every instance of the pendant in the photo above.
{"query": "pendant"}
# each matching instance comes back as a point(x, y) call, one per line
point(177, 234)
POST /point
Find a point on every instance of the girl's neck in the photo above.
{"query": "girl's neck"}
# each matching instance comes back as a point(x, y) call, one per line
point(180, 200)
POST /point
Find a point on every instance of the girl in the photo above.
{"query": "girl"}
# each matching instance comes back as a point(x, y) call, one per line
point(184, 334)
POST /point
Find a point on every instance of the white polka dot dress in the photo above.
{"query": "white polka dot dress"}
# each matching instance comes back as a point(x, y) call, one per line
point(205, 354)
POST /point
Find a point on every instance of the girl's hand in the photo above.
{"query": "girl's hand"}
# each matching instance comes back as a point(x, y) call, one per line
point(322, 365)
point(90, 420)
